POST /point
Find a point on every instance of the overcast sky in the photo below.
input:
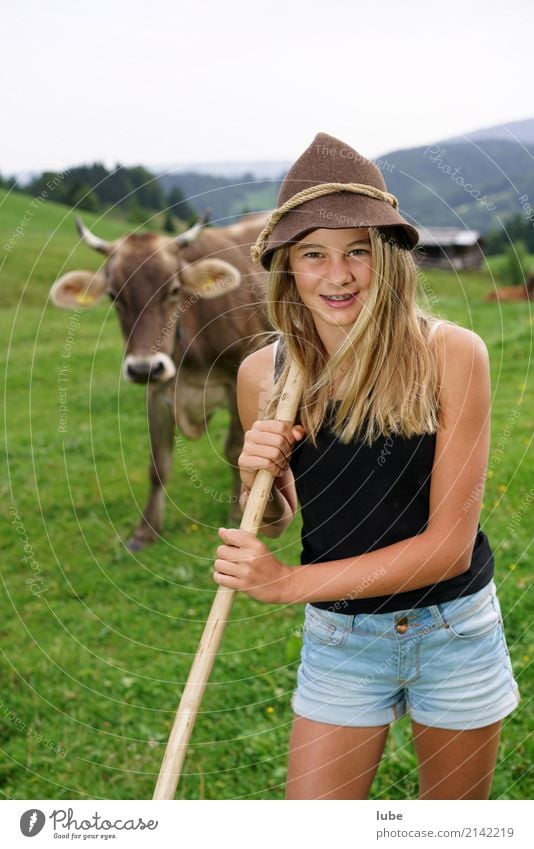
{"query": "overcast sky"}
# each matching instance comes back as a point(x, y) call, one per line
point(165, 81)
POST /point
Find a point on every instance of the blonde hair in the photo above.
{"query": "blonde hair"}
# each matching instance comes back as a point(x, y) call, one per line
point(389, 382)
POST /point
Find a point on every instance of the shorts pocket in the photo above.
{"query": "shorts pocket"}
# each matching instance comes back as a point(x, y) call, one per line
point(323, 627)
point(474, 620)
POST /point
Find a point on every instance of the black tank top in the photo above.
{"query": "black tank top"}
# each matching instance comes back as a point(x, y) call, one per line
point(357, 498)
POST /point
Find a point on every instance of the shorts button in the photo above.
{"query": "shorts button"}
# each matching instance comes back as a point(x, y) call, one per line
point(401, 625)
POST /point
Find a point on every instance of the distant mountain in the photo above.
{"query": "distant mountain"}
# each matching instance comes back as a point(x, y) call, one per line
point(521, 131)
point(227, 197)
point(461, 184)
point(472, 182)
point(261, 170)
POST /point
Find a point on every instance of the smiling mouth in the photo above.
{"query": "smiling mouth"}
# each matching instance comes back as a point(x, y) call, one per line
point(340, 298)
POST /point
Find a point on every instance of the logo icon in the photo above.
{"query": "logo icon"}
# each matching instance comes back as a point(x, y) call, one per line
point(32, 822)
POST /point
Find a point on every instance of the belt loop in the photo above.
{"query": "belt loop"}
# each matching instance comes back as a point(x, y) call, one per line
point(436, 615)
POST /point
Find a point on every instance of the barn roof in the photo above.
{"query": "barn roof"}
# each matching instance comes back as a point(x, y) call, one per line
point(447, 236)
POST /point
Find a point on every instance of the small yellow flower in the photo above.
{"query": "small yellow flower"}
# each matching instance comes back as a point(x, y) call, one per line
point(482, 506)
point(490, 473)
point(194, 527)
point(270, 709)
point(526, 658)
point(512, 566)
point(502, 487)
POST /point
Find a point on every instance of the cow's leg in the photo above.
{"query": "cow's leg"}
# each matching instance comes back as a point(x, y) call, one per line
point(161, 428)
point(232, 450)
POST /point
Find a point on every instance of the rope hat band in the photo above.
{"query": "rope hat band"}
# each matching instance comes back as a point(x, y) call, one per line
point(312, 192)
point(331, 186)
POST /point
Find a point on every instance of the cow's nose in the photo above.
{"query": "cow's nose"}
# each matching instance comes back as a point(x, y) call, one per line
point(146, 370)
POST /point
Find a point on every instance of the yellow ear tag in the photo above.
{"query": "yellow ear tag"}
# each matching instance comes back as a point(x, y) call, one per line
point(85, 298)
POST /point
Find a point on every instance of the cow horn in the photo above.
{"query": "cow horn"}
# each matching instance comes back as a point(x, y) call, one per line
point(185, 239)
point(92, 241)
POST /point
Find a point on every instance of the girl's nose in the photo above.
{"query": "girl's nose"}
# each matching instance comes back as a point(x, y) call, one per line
point(339, 270)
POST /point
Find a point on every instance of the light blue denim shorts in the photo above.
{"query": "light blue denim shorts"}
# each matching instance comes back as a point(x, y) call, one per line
point(448, 665)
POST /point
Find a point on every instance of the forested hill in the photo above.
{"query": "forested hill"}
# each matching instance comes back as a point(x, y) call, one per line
point(477, 181)
point(462, 184)
point(459, 184)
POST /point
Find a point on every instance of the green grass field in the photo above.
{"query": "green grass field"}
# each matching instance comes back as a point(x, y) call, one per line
point(96, 641)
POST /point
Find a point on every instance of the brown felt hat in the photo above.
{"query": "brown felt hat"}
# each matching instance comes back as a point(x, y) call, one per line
point(313, 196)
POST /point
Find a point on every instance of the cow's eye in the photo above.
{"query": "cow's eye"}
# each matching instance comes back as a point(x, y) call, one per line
point(174, 292)
point(113, 297)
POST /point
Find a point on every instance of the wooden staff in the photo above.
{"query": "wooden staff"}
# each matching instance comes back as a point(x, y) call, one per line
point(210, 642)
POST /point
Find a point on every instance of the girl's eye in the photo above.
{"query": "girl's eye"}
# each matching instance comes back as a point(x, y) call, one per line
point(353, 252)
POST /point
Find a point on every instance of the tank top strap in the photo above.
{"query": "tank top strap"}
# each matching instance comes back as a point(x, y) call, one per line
point(433, 329)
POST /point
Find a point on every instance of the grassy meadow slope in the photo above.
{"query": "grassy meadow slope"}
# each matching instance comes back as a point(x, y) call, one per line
point(96, 641)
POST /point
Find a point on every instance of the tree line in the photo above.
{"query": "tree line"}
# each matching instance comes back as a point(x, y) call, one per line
point(518, 228)
point(134, 192)
point(137, 194)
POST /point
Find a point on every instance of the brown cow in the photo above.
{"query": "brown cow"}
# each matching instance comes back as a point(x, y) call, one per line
point(523, 292)
point(187, 307)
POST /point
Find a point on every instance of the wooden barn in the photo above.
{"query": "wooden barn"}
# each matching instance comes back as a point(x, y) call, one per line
point(450, 247)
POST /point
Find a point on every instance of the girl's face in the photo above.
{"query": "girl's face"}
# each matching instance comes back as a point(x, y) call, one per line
point(332, 271)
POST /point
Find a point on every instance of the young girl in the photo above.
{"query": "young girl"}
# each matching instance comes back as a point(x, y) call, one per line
point(387, 464)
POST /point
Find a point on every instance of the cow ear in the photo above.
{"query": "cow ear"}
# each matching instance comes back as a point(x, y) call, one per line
point(209, 278)
point(78, 289)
